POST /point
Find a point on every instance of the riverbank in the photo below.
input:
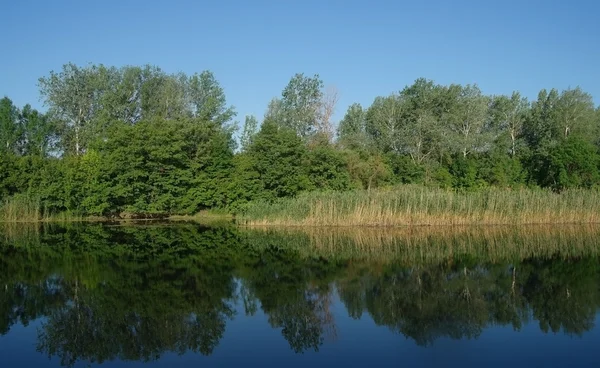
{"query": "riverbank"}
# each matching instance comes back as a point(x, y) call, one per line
point(400, 206)
point(421, 206)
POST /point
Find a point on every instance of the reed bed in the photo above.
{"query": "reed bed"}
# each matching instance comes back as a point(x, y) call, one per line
point(418, 205)
point(22, 208)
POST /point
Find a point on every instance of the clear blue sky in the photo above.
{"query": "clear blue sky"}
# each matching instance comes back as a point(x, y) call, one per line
point(364, 48)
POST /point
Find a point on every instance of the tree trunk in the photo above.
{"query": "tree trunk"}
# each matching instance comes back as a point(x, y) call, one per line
point(77, 140)
point(512, 151)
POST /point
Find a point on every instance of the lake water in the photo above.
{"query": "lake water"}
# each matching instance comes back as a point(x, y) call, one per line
point(184, 295)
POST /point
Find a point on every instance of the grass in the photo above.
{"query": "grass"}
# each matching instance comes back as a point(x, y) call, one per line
point(209, 217)
point(21, 208)
point(418, 205)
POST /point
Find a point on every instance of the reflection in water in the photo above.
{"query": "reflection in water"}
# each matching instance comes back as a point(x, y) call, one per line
point(136, 292)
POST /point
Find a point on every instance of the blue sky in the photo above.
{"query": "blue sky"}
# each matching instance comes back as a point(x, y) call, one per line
point(363, 48)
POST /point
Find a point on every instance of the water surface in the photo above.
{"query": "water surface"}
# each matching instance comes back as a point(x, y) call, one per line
point(185, 295)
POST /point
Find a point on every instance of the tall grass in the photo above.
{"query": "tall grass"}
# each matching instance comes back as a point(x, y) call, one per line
point(418, 205)
point(23, 208)
point(20, 208)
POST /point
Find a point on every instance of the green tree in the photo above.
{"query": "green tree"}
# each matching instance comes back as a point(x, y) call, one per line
point(538, 128)
point(249, 131)
point(208, 99)
point(468, 120)
point(9, 128)
point(326, 167)
point(300, 106)
point(421, 130)
point(278, 155)
point(575, 113)
point(38, 132)
point(572, 163)
point(73, 97)
point(384, 120)
point(509, 114)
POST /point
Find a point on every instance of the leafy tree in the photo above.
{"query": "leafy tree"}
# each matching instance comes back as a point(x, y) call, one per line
point(509, 114)
point(278, 154)
point(572, 163)
point(248, 133)
point(353, 122)
point(421, 131)
point(208, 99)
point(73, 96)
point(326, 168)
point(468, 120)
point(300, 105)
point(575, 113)
point(9, 127)
point(39, 134)
point(384, 122)
point(539, 128)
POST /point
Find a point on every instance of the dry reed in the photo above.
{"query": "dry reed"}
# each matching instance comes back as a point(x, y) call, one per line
point(417, 205)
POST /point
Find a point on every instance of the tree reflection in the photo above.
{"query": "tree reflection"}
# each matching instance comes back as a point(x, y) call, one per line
point(134, 293)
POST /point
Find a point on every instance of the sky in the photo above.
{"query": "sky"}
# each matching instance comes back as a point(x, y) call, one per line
point(363, 48)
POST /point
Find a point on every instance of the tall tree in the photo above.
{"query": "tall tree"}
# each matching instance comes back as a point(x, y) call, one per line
point(539, 126)
point(329, 101)
point(468, 121)
point(384, 122)
point(38, 132)
point(575, 113)
point(248, 133)
point(300, 106)
point(208, 99)
point(73, 95)
point(421, 128)
point(351, 130)
point(9, 128)
point(509, 114)
point(277, 154)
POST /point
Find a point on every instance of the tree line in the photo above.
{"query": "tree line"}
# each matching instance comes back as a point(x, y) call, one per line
point(138, 140)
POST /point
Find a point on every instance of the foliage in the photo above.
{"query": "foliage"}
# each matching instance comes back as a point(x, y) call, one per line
point(136, 141)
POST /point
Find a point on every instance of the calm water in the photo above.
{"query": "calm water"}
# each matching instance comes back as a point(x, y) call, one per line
point(186, 295)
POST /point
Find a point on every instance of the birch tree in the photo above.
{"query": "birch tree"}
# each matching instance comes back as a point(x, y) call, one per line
point(509, 114)
point(72, 96)
point(468, 121)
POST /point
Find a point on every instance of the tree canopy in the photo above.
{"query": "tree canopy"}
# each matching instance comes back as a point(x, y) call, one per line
point(137, 141)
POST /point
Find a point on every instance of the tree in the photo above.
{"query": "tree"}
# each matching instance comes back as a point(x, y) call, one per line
point(509, 114)
point(575, 113)
point(353, 122)
point(421, 128)
point(38, 132)
point(73, 98)
point(351, 131)
point(300, 106)
point(208, 99)
point(248, 133)
point(278, 154)
point(384, 122)
point(572, 163)
point(328, 104)
point(326, 167)
point(538, 128)
point(9, 128)
point(468, 120)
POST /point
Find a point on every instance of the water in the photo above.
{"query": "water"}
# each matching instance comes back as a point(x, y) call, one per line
point(186, 295)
